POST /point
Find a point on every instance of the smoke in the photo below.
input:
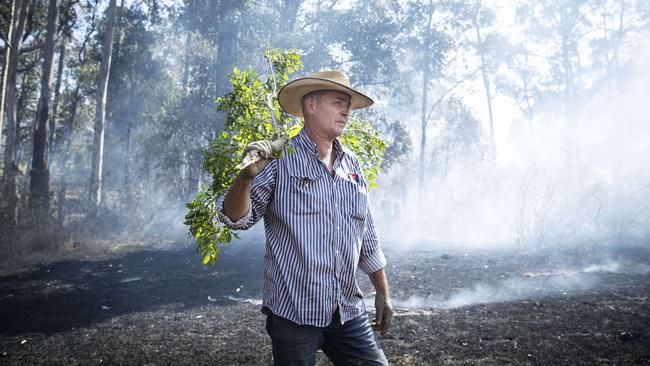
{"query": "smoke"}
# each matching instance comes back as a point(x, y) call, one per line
point(552, 184)
point(618, 267)
point(527, 285)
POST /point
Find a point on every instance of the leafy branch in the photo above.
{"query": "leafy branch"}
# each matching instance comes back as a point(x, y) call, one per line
point(253, 114)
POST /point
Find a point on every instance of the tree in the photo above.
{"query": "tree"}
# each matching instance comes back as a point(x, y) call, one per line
point(577, 43)
point(459, 138)
point(560, 26)
point(362, 41)
point(10, 168)
point(487, 48)
point(135, 75)
point(40, 174)
point(68, 19)
point(84, 76)
point(57, 92)
point(5, 64)
point(520, 83)
point(95, 190)
point(430, 46)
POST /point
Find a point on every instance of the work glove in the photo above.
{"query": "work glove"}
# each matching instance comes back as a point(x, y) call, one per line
point(384, 313)
point(263, 150)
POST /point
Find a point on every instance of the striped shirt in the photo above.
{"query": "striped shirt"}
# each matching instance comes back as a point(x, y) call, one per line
point(318, 231)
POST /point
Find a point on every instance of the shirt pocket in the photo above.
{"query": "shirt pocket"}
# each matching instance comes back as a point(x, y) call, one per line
point(307, 195)
point(357, 206)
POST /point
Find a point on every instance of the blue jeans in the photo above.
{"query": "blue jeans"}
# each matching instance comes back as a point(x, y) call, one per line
point(352, 343)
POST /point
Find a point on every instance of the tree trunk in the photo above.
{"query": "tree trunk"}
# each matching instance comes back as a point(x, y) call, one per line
point(126, 186)
point(186, 63)
point(10, 167)
point(100, 111)
point(69, 125)
point(65, 138)
point(60, 202)
point(57, 94)
point(21, 105)
point(39, 186)
point(426, 74)
point(486, 79)
point(423, 123)
point(186, 164)
point(5, 65)
point(227, 44)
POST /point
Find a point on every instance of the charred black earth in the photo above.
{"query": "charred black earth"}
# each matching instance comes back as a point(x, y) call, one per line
point(575, 306)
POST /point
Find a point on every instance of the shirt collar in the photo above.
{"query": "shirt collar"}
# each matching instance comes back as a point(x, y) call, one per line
point(303, 141)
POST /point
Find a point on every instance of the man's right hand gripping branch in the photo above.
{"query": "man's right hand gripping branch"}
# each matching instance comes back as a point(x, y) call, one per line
point(263, 149)
point(237, 200)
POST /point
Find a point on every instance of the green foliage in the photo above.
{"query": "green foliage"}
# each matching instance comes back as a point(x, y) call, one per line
point(254, 114)
point(368, 146)
point(250, 108)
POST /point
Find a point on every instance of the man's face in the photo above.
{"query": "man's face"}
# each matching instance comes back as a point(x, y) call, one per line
point(331, 110)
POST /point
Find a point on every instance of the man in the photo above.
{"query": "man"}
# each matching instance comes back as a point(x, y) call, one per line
point(319, 230)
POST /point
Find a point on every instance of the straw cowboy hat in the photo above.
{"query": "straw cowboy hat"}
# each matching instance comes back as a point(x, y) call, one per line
point(290, 96)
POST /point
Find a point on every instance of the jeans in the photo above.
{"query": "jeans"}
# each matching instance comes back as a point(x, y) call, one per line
point(352, 343)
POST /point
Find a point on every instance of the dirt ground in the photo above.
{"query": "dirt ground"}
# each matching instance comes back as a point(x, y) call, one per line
point(578, 306)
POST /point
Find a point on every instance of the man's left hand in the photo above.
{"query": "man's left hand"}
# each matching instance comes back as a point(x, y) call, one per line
point(384, 314)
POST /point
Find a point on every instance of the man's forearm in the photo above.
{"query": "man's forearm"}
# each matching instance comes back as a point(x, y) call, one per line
point(237, 200)
point(379, 281)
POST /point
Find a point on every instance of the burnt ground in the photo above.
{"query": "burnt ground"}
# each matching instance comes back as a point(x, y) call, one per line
point(578, 306)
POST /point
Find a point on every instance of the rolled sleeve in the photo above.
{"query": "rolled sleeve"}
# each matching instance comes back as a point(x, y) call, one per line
point(373, 262)
point(371, 258)
point(261, 194)
point(241, 224)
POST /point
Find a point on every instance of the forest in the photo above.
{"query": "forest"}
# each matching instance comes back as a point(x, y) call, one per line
point(514, 141)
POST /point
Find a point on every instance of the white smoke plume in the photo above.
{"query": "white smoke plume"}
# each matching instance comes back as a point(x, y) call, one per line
point(528, 285)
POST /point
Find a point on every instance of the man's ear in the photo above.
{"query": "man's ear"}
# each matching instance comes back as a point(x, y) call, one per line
point(310, 105)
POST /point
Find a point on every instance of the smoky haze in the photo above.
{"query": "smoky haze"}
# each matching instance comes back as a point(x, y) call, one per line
point(550, 185)
point(512, 205)
point(560, 162)
point(526, 285)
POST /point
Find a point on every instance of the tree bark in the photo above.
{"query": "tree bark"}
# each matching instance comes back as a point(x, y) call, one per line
point(100, 111)
point(39, 185)
point(5, 65)
point(57, 94)
point(10, 167)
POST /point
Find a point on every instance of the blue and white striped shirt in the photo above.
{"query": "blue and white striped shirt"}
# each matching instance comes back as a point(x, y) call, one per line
point(319, 229)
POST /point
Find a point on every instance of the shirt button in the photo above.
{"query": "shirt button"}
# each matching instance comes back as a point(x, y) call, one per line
point(338, 228)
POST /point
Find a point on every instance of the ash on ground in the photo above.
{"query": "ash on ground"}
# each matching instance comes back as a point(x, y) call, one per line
point(576, 306)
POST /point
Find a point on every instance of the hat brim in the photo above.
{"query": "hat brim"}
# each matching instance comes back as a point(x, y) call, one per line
point(290, 96)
